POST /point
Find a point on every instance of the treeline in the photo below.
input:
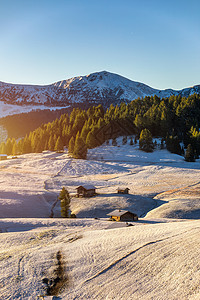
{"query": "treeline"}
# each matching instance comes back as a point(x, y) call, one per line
point(176, 119)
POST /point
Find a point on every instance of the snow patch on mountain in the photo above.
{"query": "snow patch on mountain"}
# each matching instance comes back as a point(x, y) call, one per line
point(11, 109)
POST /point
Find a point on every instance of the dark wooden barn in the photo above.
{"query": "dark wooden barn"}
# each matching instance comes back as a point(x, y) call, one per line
point(123, 215)
point(86, 191)
point(3, 156)
point(123, 190)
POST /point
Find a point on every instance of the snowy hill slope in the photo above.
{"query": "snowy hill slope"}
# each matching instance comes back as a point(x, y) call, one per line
point(155, 261)
point(97, 88)
point(30, 184)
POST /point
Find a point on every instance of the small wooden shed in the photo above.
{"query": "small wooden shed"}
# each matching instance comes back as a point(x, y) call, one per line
point(123, 215)
point(86, 191)
point(3, 156)
point(123, 190)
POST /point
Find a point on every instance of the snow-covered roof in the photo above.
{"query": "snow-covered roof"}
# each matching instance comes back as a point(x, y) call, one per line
point(87, 187)
point(119, 213)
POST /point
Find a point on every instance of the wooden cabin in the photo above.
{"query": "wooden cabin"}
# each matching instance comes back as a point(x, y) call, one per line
point(122, 215)
point(3, 156)
point(123, 190)
point(86, 191)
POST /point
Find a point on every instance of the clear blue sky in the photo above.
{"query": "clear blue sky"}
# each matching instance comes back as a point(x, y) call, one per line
point(156, 42)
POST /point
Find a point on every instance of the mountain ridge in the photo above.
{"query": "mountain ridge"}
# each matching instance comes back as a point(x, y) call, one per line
point(96, 88)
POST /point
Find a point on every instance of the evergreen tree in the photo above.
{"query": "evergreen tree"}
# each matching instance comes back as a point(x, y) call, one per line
point(135, 140)
point(3, 148)
point(162, 144)
point(59, 145)
point(173, 145)
point(145, 141)
point(14, 148)
point(71, 145)
point(84, 132)
point(139, 122)
point(51, 144)
point(189, 154)
point(19, 146)
point(124, 140)
point(80, 149)
point(9, 147)
point(65, 200)
point(26, 145)
point(91, 141)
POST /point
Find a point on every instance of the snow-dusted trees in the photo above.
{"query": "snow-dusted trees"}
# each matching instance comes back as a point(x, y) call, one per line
point(176, 119)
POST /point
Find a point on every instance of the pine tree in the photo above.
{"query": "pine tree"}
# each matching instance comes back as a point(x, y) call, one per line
point(59, 144)
point(14, 148)
point(145, 141)
point(3, 148)
point(124, 140)
point(80, 149)
point(135, 140)
point(91, 141)
point(189, 154)
point(85, 131)
point(65, 200)
point(9, 147)
point(51, 144)
point(71, 145)
point(26, 145)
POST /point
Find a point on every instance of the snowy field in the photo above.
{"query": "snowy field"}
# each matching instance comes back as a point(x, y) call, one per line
point(156, 258)
point(12, 109)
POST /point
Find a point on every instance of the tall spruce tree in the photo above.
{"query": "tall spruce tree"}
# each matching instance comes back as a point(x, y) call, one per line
point(59, 144)
point(71, 145)
point(145, 141)
point(65, 200)
point(80, 149)
point(51, 143)
point(91, 141)
point(189, 154)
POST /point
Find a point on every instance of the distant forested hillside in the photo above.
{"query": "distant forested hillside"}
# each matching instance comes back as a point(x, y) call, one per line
point(19, 125)
point(176, 119)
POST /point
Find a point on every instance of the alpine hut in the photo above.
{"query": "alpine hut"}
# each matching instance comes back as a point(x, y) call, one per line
point(86, 190)
point(3, 156)
point(122, 215)
point(123, 190)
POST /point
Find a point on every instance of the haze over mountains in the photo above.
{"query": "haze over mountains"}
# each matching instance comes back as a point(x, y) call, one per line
point(96, 88)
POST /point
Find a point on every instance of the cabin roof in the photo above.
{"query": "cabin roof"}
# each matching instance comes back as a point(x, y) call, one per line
point(87, 187)
point(123, 188)
point(119, 213)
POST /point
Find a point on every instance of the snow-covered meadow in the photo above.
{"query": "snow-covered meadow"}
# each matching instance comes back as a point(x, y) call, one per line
point(157, 258)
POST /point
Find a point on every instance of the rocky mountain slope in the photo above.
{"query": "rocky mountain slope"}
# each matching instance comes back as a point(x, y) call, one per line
point(101, 87)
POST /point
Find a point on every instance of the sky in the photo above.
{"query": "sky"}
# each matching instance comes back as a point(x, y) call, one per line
point(156, 42)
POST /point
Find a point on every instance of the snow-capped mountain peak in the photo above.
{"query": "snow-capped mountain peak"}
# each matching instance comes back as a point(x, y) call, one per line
point(96, 88)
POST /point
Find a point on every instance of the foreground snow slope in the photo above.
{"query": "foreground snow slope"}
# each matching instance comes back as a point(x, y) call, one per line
point(152, 261)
